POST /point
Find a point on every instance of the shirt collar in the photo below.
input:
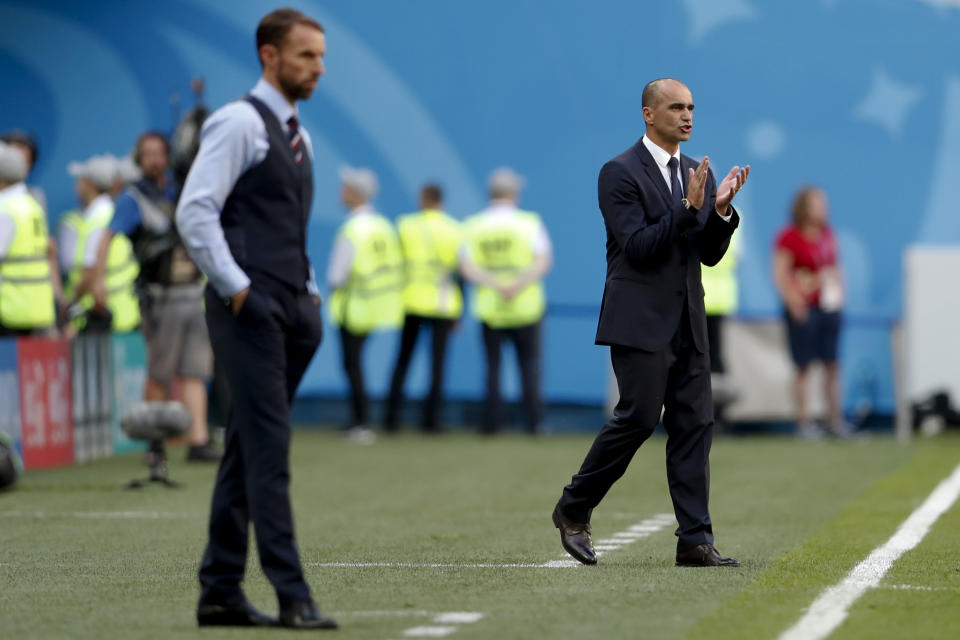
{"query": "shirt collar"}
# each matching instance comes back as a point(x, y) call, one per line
point(16, 189)
point(102, 200)
point(274, 100)
point(660, 155)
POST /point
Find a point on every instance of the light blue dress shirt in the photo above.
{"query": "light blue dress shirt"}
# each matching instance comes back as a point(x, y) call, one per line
point(233, 139)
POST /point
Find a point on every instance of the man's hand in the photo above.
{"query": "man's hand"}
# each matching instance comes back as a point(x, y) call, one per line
point(237, 300)
point(729, 187)
point(696, 183)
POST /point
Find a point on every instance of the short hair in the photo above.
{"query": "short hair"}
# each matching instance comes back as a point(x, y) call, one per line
point(275, 26)
point(800, 209)
point(432, 193)
point(147, 135)
point(652, 91)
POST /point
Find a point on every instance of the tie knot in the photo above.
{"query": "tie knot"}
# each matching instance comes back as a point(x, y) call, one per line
point(673, 162)
point(293, 124)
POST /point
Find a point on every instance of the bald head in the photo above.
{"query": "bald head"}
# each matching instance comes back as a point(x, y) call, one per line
point(653, 92)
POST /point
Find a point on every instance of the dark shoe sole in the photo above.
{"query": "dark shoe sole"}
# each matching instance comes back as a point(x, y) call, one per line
point(324, 623)
point(572, 552)
point(221, 617)
point(704, 566)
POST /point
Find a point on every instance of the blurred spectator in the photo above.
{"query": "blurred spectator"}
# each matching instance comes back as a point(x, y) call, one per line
point(366, 276)
point(171, 291)
point(807, 275)
point(29, 279)
point(432, 298)
point(27, 145)
point(80, 232)
point(506, 254)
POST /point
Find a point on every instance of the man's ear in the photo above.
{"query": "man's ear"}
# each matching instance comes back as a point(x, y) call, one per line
point(268, 54)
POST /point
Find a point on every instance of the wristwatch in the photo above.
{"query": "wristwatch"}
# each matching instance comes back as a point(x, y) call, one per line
point(686, 205)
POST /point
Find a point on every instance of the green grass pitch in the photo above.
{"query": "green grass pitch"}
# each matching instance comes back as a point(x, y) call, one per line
point(81, 558)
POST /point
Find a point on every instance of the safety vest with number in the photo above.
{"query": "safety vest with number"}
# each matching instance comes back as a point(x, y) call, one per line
point(503, 245)
point(26, 290)
point(430, 240)
point(372, 297)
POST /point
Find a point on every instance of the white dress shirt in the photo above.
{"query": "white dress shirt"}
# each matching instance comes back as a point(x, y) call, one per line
point(341, 258)
point(662, 158)
point(233, 139)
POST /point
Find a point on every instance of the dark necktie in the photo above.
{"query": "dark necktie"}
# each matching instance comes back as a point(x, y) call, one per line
point(296, 140)
point(675, 187)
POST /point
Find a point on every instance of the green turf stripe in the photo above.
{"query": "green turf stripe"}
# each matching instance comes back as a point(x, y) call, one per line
point(781, 594)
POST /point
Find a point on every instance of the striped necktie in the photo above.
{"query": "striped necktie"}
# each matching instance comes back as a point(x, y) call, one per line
point(296, 140)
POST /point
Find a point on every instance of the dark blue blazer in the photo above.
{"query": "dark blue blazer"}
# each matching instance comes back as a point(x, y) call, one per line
point(654, 251)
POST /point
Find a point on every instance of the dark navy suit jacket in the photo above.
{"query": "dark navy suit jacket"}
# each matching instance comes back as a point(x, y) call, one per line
point(654, 251)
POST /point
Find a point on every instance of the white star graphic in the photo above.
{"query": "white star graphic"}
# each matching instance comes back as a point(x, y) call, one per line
point(706, 15)
point(887, 103)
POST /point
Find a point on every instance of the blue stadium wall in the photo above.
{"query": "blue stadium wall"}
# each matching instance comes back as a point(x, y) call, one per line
point(859, 96)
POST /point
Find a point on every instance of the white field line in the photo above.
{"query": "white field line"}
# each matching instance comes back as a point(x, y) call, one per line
point(444, 624)
point(613, 543)
point(830, 609)
point(102, 515)
point(428, 632)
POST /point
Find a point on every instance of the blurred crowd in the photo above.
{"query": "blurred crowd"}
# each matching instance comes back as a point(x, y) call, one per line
point(115, 263)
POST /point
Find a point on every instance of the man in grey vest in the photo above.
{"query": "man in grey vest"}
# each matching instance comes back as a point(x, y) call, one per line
point(243, 217)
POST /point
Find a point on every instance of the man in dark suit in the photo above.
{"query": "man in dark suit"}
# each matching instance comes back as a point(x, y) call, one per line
point(242, 216)
point(664, 215)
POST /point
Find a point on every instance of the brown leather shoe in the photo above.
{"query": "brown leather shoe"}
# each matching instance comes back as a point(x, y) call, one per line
point(575, 537)
point(704, 555)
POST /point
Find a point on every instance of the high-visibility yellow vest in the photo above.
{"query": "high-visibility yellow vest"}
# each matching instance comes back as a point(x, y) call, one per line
point(503, 245)
point(372, 297)
point(430, 240)
point(120, 273)
point(720, 283)
point(26, 290)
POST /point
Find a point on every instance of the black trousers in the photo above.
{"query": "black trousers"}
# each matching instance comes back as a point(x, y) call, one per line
point(714, 325)
point(351, 345)
point(265, 351)
point(440, 329)
point(526, 341)
point(676, 378)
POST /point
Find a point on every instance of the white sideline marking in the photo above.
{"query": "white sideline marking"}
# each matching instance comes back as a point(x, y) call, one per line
point(102, 515)
point(830, 609)
point(458, 617)
point(425, 565)
point(615, 542)
point(428, 632)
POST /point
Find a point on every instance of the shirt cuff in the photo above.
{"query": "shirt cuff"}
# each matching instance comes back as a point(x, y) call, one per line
point(312, 287)
point(229, 281)
point(725, 218)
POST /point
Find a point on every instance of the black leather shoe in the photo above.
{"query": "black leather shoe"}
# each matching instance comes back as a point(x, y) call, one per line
point(575, 537)
point(237, 614)
point(305, 615)
point(704, 555)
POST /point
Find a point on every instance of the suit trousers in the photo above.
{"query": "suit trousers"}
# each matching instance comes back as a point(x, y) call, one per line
point(676, 379)
point(351, 345)
point(526, 341)
point(440, 328)
point(265, 350)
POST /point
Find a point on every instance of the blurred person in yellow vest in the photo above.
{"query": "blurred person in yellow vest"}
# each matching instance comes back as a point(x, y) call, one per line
point(721, 293)
point(506, 254)
point(432, 298)
point(80, 233)
point(366, 277)
point(29, 280)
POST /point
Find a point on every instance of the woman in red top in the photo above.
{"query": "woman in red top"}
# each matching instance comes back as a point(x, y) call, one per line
point(807, 275)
